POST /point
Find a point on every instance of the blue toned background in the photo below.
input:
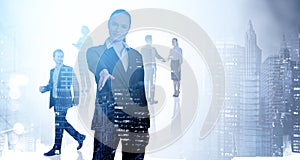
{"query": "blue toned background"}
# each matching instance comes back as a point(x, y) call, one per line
point(31, 30)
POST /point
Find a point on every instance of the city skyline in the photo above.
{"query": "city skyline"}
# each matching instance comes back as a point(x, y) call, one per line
point(274, 110)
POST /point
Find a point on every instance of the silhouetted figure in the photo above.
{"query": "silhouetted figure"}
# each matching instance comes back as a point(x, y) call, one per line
point(121, 112)
point(62, 79)
point(83, 43)
point(175, 55)
point(83, 39)
point(149, 57)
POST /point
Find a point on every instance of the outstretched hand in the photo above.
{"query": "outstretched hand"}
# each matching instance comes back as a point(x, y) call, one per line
point(104, 76)
point(42, 89)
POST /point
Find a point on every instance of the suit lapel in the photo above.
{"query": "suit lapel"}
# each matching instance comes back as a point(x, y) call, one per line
point(118, 70)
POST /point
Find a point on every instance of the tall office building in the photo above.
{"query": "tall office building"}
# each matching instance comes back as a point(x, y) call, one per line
point(294, 97)
point(250, 134)
point(238, 132)
point(228, 124)
point(275, 95)
point(294, 105)
point(271, 104)
point(290, 59)
point(285, 110)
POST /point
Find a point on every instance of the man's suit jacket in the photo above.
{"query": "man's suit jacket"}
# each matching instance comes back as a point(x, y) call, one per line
point(66, 79)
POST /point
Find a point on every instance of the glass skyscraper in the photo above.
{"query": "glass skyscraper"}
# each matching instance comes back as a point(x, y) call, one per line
point(250, 134)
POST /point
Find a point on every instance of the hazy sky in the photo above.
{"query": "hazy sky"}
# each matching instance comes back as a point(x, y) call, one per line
point(56, 23)
point(272, 19)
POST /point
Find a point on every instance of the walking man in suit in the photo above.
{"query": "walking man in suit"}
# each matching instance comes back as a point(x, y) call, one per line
point(62, 79)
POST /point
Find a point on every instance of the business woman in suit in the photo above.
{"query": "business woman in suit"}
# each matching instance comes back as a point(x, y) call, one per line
point(62, 77)
point(121, 111)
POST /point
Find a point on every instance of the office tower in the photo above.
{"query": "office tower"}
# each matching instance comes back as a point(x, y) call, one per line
point(291, 90)
point(285, 65)
point(294, 104)
point(295, 101)
point(250, 134)
point(294, 95)
point(228, 124)
point(271, 104)
point(239, 132)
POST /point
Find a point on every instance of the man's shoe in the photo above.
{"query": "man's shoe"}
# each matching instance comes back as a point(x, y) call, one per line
point(80, 141)
point(53, 152)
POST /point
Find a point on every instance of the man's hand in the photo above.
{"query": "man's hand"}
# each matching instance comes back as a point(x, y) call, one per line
point(104, 76)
